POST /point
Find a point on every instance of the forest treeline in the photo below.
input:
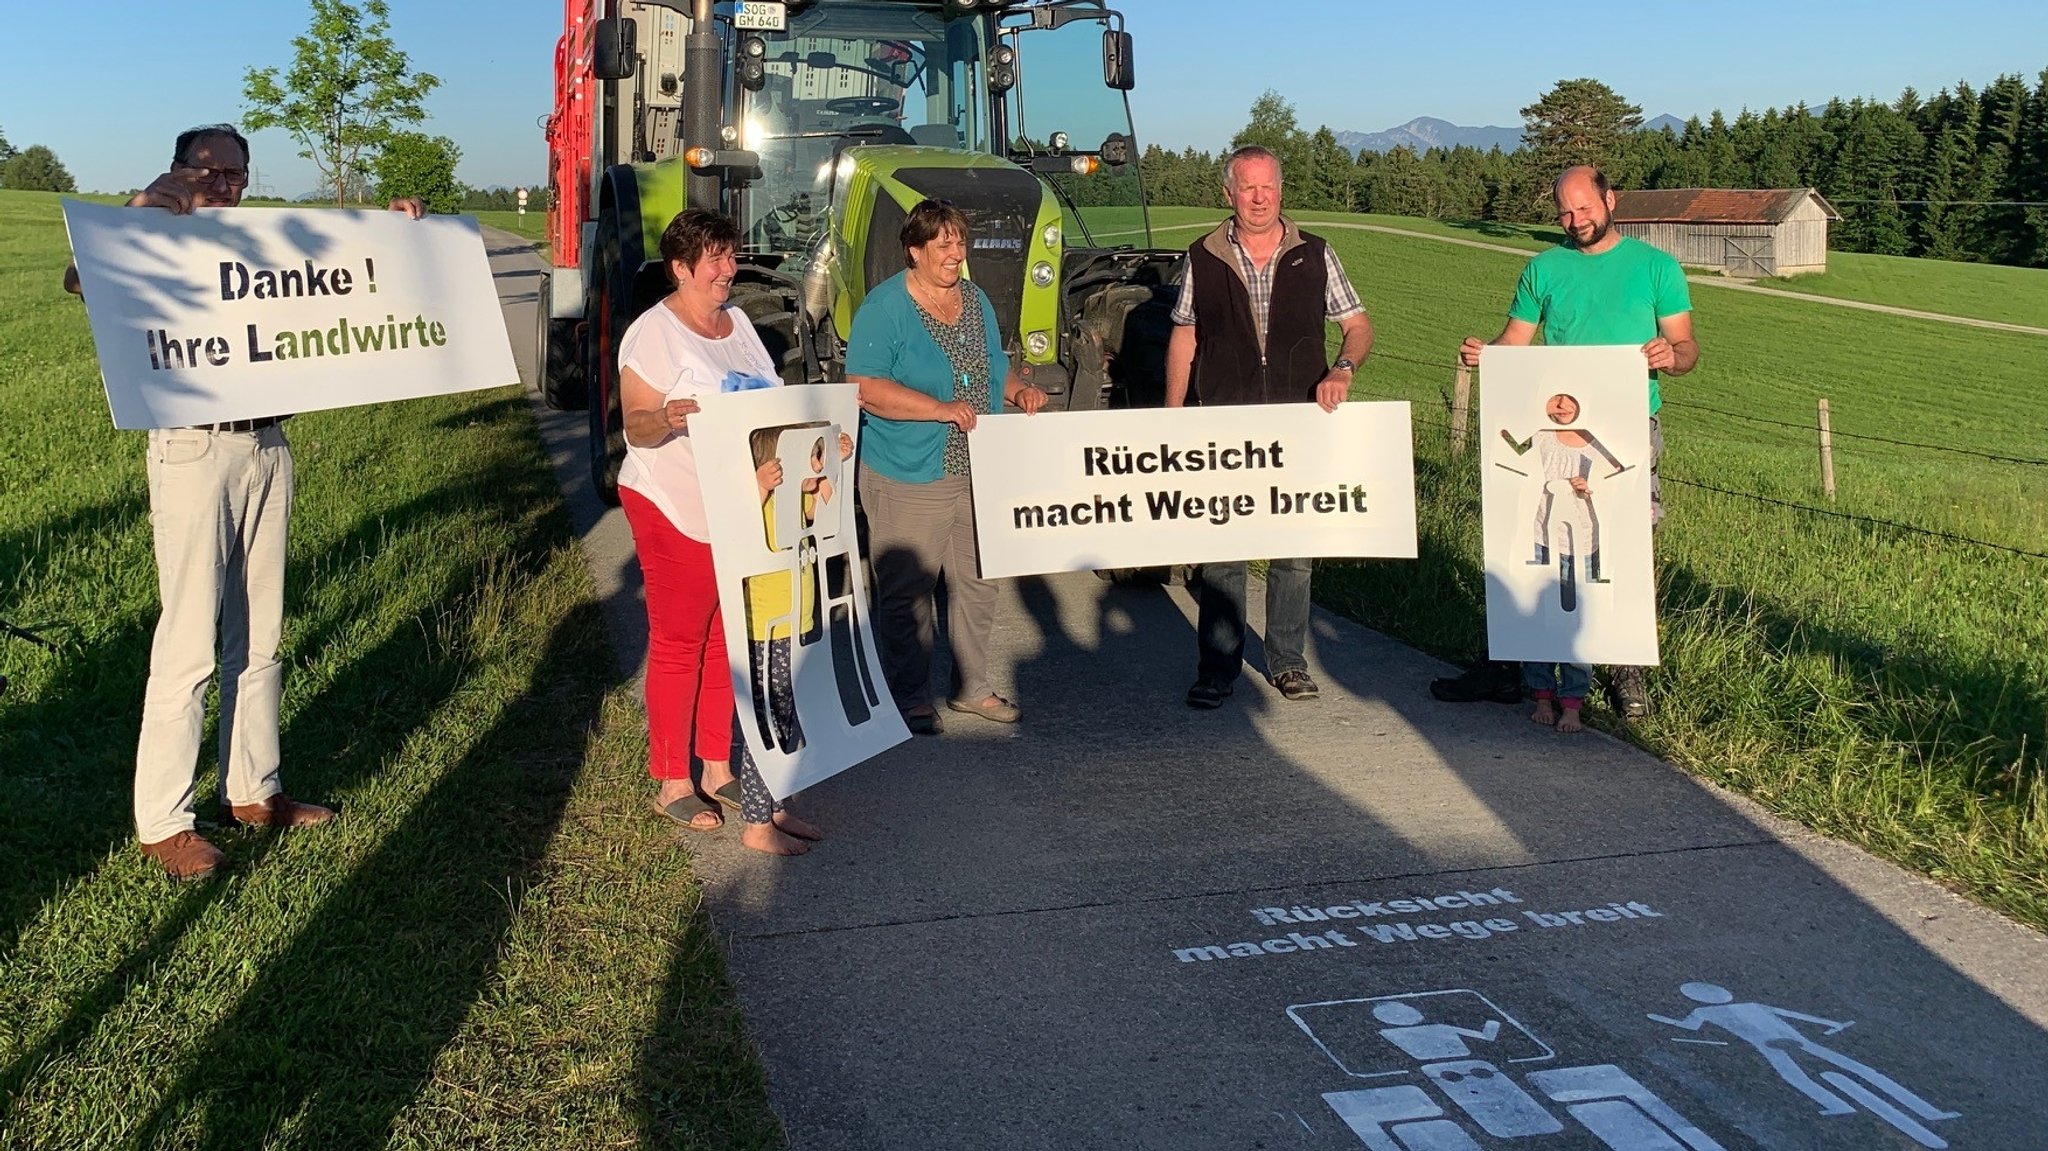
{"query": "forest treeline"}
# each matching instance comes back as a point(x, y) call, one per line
point(1961, 175)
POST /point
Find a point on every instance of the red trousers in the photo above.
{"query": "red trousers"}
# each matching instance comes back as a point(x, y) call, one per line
point(689, 682)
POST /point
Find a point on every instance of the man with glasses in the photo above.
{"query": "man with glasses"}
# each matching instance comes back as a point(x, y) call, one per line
point(219, 501)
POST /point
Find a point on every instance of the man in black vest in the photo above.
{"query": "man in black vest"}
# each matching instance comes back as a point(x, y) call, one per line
point(1249, 330)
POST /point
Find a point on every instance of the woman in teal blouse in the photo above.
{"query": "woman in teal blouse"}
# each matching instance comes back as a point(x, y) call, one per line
point(928, 358)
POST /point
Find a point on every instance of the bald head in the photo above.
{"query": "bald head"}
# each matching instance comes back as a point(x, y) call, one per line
point(1581, 178)
point(1585, 208)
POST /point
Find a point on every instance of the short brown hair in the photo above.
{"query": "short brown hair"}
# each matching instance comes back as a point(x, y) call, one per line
point(696, 233)
point(927, 222)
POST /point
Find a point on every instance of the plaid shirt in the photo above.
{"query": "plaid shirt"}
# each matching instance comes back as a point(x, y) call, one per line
point(1340, 300)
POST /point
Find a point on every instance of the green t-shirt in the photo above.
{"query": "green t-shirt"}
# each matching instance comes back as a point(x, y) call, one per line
point(1616, 297)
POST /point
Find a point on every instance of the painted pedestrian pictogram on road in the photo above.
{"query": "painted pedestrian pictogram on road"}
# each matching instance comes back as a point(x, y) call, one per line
point(1774, 1033)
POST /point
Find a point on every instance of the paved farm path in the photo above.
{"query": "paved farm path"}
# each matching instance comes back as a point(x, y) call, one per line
point(1370, 921)
point(1710, 281)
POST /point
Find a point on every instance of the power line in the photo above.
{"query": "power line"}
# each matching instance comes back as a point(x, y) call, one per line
point(1894, 525)
point(1837, 432)
point(1971, 203)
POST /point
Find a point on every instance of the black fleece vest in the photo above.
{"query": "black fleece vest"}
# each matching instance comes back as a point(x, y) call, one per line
point(1227, 369)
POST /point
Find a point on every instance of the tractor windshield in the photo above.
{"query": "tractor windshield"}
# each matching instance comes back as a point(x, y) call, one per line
point(852, 73)
point(1060, 104)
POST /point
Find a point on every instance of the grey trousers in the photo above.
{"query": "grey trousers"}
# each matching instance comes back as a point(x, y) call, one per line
point(918, 533)
point(219, 507)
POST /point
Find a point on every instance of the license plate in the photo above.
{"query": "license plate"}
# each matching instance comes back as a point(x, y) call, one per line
point(761, 16)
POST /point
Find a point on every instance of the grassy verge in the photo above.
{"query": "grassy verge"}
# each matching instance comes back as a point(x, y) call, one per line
point(495, 946)
point(1885, 687)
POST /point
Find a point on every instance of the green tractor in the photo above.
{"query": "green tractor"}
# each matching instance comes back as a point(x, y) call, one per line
point(817, 125)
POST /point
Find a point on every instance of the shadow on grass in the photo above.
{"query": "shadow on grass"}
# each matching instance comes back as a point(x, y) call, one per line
point(1500, 230)
point(342, 1028)
point(1942, 709)
point(67, 769)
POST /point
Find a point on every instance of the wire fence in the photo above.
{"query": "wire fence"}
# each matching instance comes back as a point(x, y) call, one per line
point(1450, 424)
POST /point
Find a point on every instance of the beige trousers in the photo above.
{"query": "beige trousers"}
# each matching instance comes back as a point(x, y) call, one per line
point(219, 505)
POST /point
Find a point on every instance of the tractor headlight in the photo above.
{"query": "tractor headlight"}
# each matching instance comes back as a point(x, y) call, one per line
point(1037, 343)
point(1051, 236)
point(1041, 274)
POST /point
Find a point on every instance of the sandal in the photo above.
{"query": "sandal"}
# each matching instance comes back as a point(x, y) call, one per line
point(728, 794)
point(688, 809)
point(995, 709)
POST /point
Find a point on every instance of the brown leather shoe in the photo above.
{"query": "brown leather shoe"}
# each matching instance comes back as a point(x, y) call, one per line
point(185, 855)
point(280, 810)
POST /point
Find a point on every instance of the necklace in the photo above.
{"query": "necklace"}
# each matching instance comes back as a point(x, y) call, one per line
point(945, 304)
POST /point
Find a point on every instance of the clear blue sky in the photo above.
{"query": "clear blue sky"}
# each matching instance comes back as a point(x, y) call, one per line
point(108, 84)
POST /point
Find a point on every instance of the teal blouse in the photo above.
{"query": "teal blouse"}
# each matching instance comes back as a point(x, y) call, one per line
point(889, 341)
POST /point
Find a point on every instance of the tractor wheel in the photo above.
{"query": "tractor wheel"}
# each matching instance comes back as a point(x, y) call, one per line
point(611, 309)
point(559, 360)
point(773, 315)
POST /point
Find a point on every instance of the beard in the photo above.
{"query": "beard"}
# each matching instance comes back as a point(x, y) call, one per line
point(1600, 232)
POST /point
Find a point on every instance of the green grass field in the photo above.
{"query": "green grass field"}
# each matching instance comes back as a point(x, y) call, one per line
point(1985, 291)
point(496, 946)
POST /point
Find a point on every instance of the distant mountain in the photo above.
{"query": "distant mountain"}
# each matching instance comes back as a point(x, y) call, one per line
point(1426, 132)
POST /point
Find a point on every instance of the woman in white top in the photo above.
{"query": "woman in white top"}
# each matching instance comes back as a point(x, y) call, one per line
point(693, 343)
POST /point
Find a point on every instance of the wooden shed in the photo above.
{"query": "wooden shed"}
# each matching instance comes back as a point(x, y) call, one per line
point(1743, 232)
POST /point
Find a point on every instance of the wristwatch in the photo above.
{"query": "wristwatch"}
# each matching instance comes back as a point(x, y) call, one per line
point(1344, 364)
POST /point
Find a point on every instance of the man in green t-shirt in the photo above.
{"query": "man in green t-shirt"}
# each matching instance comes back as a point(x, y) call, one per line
point(1599, 287)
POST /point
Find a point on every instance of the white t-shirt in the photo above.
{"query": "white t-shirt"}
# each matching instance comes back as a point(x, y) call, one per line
point(680, 364)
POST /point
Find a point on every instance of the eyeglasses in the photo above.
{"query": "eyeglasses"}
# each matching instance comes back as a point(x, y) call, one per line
point(235, 177)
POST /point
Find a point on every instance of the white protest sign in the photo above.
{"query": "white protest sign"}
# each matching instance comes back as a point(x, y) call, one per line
point(1569, 577)
point(235, 313)
point(1073, 491)
point(805, 671)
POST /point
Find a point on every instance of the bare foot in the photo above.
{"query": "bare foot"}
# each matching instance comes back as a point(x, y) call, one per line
point(1569, 722)
point(771, 840)
point(798, 826)
point(1545, 713)
point(672, 790)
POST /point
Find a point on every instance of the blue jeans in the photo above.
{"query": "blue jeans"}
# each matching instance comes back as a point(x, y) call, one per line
point(1220, 625)
point(1574, 682)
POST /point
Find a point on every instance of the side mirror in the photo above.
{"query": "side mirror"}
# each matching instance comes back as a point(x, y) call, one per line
point(1117, 68)
point(615, 48)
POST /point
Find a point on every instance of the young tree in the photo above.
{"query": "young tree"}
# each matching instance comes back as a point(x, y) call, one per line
point(348, 87)
point(6, 149)
point(36, 169)
point(415, 164)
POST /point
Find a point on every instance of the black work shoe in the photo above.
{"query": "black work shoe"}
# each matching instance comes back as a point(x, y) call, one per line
point(1627, 694)
point(1207, 695)
point(1487, 680)
point(1296, 684)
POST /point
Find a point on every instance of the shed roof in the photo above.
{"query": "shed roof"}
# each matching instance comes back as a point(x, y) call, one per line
point(1715, 205)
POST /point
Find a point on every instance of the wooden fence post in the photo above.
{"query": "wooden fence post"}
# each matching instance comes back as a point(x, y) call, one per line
point(1461, 409)
point(1827, 453)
